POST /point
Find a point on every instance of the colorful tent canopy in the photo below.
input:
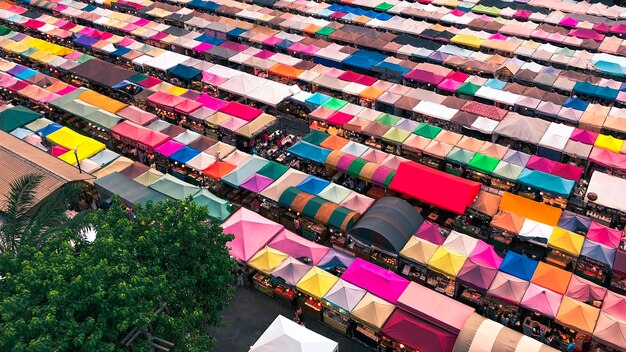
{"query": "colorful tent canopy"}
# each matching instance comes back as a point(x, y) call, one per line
point(298, 247)
point(518, 265)
point(218, 208)
point(611, 331)
point(476, 275)
point(309, 151)
point(460, 243)
point(598, 252)
point(604, 235)
point(334, 258)
point(584, 290)
point(430, 232)
point(344, 295)
point(252, 232)
point(417, 334)
point(372, 311)
point(174, 188)
point(286, 335)
point(244, 171)
point(485, 255)
point(574, 222)
point(550, 277)
point(372, 278)
point(530, 209)
point(317, 282)
point(566, 241)
point(267, 259)
point(17, 116)
point(447, 262)
point(546, 182)
point(318, 208)
point(289, 272)
point(508, 288)
point(577, 315)
point(219, 169)
point(542, 300)
point(419, 250)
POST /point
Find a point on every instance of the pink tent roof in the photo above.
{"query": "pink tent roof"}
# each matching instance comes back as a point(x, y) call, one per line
point(273, 40)
point(484, 254)
point(584, 33)
point(211, 102)
point(291, 271)
point(57, 150)
point(604, 235)
point(430, 232)
point(297, 47)
point(608, 158)
point(298, 247)
point(241, 111)
point(498, 36)
point(615, 305)
point(264, 54)
point(567, 171)
point(540, 164)
point(508, 288)
point(168, 148)
point(542, 300)
point(569, 22)
point(378, 281)
point(187, 106)
point(202, 47)
point(234, 123)
point(477, 275)
point(257, 183)
point(136, 115)
point(339, 118)
point(610, 331)
point(357, 202)
point(584, 136)
point(213, 79)
point(449, 85)
point(429, 304)
point(584, 290)
point(252, 232)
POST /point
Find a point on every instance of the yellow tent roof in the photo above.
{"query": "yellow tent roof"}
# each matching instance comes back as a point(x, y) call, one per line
point(66, 138)
point(467, 40)
point(177, 91)
point(609, 142)
point(16, 47)
point(267, 259)
point(102, 101)
point(86, 150)
point(447, 262)
point(419, 250)
point(577, 315)
point(317, 282)
point(566, 241)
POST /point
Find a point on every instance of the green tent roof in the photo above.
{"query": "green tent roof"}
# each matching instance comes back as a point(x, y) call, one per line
point(460, 156)
point(325, 31)
point(17, 116)
point(356, 166)
point(426, 130)
point(335, 104)
point(273, 170)
point(313, 206)
point(4, 30)
point(288, 196)
point(174, 188)
point(339, 216)
point(219, 208)
point(84, 58)
point(103, 119)
point(383, 6)
point(315, 137)
point(387, 119)
point(483, 163)
point(396, 135)
point(138, 78)
point(389, 178)
point(236, 177)
point(468, 88)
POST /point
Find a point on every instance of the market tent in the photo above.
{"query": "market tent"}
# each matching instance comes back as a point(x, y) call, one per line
point(357, 202)
point(508, 288)
point(550, 277)
point(372, 311)
point(66, 138)
point(485, 255)
point(289, 179)
point(273, 170)
point(256, 183)
point(417, 334)
point(244, 171)
point(17, 116)
point(599, 252)
point(615, 304)
point(522, 128)
point(252, 232)
point(535, 232)
point(447, 262)
point(487, 203)
point(428, 304)
point(419, 250)
point(309, 151)
point(434, 187)
point(372, 278)
point(218, 208)
point(201, 161)
point(574, 222)
point(298, 247)
point(174, 188)
point(530, 209)
point(149, 177)
point(335, 193)
point(611, 330)
point(584, 290)
point(289, 272)
point(518, 265)
point(316, 282)
point(542, 300)
point(460, 156)
point(219, 169)
point(267, 259)
point(546, 182)
point(184, 154)
point(335, 258)
point(576, 315)
point(129, 191)
point(101, 72)
point(317, 208)
point(430, 232)
point(604, 235)
point(313, 185)
point(315, 137)
point(566, 241)
point(460, 243)
point(286, 335)
point(610, 191)
point(344, 295)
point(477, 275)
point(388, 224)
point(134, 170)
point(483, 163)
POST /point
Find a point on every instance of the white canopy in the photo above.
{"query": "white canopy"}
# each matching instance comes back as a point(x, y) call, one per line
point(536, 232)
point(166, 60)
point(611, 190)
point(435, 110)
point(286, 335)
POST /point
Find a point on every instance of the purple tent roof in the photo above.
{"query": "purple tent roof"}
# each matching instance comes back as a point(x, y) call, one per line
point(344, 162)
point(477, 275)
point(574, 222)
point(291, 271)
point(335, 258)
point(380, 175)
point(168, 148)
point(378, 281)
point(430, 232)
point(256, 183)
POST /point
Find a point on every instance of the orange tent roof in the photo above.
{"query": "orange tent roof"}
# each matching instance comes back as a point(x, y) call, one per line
point(551, 277)
point(102, 101)
point(334, 142)
point(577, 315)
point(530, 209)
point(311, 28)
point(285, 71)
point(219, 170)
point(371, 93)
point(507, 221)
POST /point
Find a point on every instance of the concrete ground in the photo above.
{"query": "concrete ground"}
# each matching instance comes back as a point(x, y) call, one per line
point(251, 312)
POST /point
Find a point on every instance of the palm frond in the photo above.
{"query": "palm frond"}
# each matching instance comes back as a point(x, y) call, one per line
point(20, 200)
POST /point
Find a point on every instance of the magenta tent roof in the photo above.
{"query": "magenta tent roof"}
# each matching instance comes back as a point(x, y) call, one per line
point(297, 47)
point(430, 232)
point(211, 102)
point(608, 158)
point(202, 47)
point(567, 171)
point(241, 111)
point(615, 305)
point(380, 175)
point(298, 247)
point(508, 288)
point(540, 164)
point(542, 300)
point(584, 136)
point(265, 54)
point(378, 281)
point(569, 22)
point(213, 79)
point(252, 232)
point(417, 334)
point(477, 275)
point(584, 33)
point(584, 290)
point(484, 255)
point(450, 85)
point(344, 162)
point(168, 148)
point(604, 235)
point(256, 183)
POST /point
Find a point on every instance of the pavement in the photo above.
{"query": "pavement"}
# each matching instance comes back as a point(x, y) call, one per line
point(251, 312)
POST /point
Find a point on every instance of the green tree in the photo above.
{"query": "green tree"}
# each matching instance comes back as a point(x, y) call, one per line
point(167, 271)
point(27, 223)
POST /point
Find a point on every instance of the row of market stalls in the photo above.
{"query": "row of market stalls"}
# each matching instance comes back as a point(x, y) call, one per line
point(568, 112)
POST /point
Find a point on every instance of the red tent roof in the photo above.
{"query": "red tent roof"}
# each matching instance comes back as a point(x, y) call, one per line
point(434, 187)
point(417, 334)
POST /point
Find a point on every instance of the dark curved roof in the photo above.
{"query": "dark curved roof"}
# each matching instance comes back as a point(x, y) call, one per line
point(388, 224)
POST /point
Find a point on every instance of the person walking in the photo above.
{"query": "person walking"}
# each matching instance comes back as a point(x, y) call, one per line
point(239, 278)
point(299, 316)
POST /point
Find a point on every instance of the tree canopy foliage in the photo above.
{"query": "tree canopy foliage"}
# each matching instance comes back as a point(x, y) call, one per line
point(165, 270)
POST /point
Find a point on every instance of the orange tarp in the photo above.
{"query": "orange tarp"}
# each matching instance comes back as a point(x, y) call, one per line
point(334, 142)
point(487, 203)
point(300, 201)
point(285, 71)
point(507, 221)
point(577, 315)
point(371, 93)
point(311, 29)
point(530, 209)
point(551, 277)
point(219, 169)
point(101, 101)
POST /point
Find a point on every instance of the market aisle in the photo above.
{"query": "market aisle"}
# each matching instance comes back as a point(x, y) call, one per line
point(251, 312)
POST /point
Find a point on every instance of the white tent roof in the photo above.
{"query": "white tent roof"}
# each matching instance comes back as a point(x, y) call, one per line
point(460, 243)
point(484, 125)
point(286, 335)
point(611, 190)
point(271, 94)
point(356, 149)
point(243, 84)
point(536, 232)
point(201, 161)
point(166, 60)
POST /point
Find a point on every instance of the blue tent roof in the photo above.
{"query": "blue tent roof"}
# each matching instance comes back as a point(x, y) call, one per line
point(310, 151)
point(236, 32)
point(364, 59)
point(51, 128)
point(610, 68)
point(203, 5)
point(205, 38)
point(26, 74)
point(584, 88)
point(384, 16)
point(185, 154)
point(285, 44)
point(576, 103)
point(598, 252)
point(546, 182)
point(313, 185)
point(335, 7)
point(605, 93)
point(519, 266)
point(184, 72)
point(84, 40)
point(495, 84)
point(317, 99)
point(388, 66)
point(120, 51)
